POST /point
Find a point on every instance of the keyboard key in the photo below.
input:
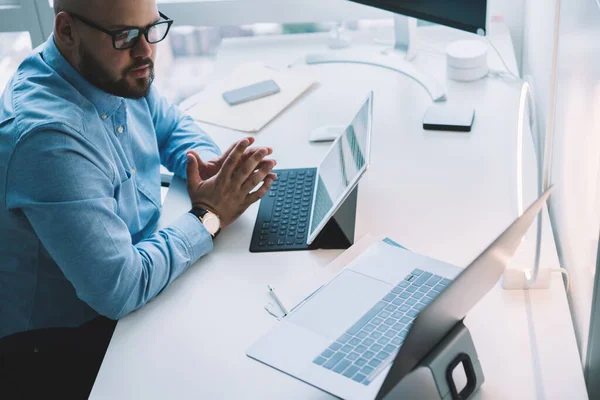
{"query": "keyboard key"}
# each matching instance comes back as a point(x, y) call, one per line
point(370, 328)
point(397, 340)
point(417, 295)
point(366, 318)
point(398, 302)
point(374, 363)
point(353, 356)
point(341, 366)
point(262, 244)
point(403, 333)
point(368, 355)
point(391, 333)
point(368, 341)
point(333, 360)
point(360, 349)
point(411, 302)
point(423, 278)
point(412, 288)
point(300, 241)
point(389, 297)
point(404, 308)
point(445, 282)
point(397, 290)
point(350, 371)
point(406, 320)
point(382, 328)
point(360, 362)
point(354, 342)
point(319, 361)
point(390, 348)
point(417, 272)
point(433, 280)
point(344, 338)
point(347, 348)
point(384, 314)
point(376, 348)
point(399, 326)
point(398, 314)
point(382, 355)
point(390, 321)
point(383, 340)
point(412, 313)
point(366, 370)
point(424, 289)
point(419, 306)
point(327, 353)
point(404, 295)
point(403, 284)
point(358, 378)
point(362, 334)
point(335, 346)
point(376, 335)
point(391, 308)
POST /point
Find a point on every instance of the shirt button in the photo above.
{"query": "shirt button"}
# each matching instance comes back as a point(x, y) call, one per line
point(104, 116)
point(120, 129)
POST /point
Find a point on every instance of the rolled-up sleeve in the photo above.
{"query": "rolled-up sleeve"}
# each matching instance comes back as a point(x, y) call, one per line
point(177, 133)
point(65, 187)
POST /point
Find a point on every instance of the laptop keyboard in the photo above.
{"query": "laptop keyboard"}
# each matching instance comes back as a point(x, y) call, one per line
point(371, 344)
point(285, 221)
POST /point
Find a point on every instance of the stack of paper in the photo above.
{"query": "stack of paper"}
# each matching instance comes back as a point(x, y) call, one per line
point(210, 107)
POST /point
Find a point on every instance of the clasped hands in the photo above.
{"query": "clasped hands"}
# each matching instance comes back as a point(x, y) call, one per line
point(223, 186)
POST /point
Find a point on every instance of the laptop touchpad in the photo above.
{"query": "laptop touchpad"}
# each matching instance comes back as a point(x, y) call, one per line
point(340, 304)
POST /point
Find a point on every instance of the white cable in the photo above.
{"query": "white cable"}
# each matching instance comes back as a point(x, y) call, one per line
point(510, 73)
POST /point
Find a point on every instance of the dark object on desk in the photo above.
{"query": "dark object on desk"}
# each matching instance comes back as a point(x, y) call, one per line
point(283, 217)
point(251, 92)
point(54, 363)
point(449, 118)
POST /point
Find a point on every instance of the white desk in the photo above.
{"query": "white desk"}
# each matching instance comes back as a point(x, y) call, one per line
point(446, 195)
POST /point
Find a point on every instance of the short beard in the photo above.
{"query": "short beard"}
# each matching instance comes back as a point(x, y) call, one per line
point(91, 69)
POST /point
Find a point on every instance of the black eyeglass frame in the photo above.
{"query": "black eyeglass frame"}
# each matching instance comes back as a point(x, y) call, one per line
point(115, 32)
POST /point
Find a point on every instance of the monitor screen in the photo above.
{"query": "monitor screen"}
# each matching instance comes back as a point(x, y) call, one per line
point(468, 15)
point(341, 168)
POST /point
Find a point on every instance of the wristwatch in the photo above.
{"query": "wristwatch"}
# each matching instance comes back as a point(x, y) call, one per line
point(210, 220)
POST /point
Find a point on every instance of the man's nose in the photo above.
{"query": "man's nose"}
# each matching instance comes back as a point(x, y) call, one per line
point(142, 48)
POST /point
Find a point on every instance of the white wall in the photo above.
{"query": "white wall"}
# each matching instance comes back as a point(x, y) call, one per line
point(513, 12)
point(574, 205)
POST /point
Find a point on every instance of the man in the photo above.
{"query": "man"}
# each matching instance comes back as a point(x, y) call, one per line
point(82, 136)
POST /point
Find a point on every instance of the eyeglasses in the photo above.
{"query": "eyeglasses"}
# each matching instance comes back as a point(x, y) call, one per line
point(127, 37)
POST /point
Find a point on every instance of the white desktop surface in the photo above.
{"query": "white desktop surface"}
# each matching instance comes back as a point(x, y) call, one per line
point(445, 195)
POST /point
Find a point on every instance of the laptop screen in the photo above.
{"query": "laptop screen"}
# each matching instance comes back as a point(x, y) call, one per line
point(340, 169)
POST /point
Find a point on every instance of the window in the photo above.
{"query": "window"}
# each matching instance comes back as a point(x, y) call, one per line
point(14, 47)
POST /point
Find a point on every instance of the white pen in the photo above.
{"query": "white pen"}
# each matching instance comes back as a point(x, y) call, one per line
point(277, 300)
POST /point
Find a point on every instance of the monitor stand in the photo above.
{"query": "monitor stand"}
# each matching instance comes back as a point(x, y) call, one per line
point(405, 45)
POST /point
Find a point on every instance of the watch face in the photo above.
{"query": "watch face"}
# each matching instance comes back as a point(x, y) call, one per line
point(212, 223)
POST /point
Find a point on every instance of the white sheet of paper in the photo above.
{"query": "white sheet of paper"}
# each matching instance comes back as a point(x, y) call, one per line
point(210, 107)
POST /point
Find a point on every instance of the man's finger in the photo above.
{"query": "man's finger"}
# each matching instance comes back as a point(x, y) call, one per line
point(247, 167)
point(251, 151)
point(264, 168)
point(255, 196)
point(191, 171)
point(234, 158)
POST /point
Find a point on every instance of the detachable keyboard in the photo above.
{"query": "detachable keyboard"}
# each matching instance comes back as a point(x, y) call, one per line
point(370, 345)
point(284, 212)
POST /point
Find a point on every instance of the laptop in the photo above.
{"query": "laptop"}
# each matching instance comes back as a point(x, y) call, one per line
point(302, 201)
point(372, 324)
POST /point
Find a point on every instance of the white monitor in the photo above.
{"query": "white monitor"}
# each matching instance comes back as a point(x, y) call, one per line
point(341, 169)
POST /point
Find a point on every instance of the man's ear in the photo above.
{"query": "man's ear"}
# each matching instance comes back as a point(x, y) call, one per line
point(64, 30)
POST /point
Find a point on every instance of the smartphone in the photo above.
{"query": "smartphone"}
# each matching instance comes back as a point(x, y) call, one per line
point(251, 92)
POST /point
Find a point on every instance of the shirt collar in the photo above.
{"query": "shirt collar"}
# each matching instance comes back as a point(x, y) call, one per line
point(105, 103)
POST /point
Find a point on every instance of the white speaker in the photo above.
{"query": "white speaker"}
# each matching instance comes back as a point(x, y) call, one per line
point(466, 60)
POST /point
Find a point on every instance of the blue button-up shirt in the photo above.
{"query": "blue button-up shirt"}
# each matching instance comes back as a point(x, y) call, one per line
point(80, 197)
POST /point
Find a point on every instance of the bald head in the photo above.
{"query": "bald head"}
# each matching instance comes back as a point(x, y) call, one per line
point(67, 5)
